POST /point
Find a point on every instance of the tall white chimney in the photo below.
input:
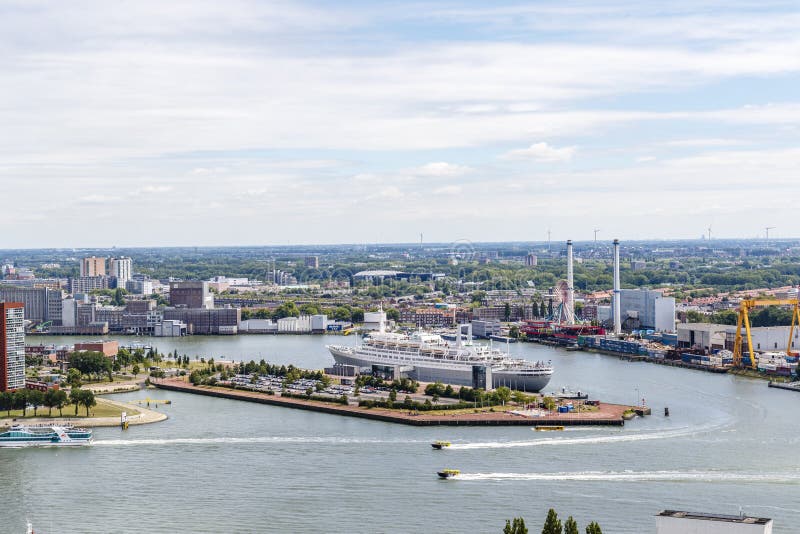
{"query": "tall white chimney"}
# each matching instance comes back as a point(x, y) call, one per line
point(570, 315)
point(615, 303)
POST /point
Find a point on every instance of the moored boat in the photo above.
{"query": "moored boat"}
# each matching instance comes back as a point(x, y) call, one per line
point(548, 428)
point(426, 357)
point(45, 436)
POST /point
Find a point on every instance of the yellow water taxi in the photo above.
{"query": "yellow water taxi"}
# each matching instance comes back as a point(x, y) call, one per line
point(544, 428)
point(448, 473)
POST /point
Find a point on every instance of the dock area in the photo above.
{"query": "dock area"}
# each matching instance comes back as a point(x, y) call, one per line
point(791, 386)
point(605, 415)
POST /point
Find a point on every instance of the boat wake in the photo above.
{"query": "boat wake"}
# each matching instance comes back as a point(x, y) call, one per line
point(640, 476)
point(234, 441)
point(621, 437)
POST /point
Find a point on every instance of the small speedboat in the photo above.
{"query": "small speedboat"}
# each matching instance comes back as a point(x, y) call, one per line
point(448, 473)
point(439, 445)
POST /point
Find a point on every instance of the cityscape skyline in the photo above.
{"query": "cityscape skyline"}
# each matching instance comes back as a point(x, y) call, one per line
point(315, 122)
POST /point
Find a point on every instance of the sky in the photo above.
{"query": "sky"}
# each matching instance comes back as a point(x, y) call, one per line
point(148, 123)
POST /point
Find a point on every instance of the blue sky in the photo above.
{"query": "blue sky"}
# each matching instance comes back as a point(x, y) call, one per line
point(207, 123)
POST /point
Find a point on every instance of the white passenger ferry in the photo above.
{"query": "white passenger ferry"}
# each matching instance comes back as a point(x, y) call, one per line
point(44, 436)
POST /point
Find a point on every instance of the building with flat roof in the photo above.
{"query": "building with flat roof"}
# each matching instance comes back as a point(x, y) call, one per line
point(679, 522)
point(312, 262)
point(86, 284)
point(41, 304)
point(710, 337)
point(642, 308)
point(108, 348)
point(12, 346)
point(192, 294)
point(206, 321)
point(120, 268)
point(93, 266)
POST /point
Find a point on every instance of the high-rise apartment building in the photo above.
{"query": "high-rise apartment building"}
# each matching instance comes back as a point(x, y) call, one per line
point(312, 262)
point(41, 304)
point(121, 269)
point(93, 266)
point(12, 346)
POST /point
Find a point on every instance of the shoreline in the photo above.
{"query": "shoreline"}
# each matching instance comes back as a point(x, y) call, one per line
point(144, 417)
point(608, 414)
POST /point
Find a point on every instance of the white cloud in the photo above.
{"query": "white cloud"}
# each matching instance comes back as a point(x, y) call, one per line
point(542, 152)
point(99, 199)
point(448, 190)
point(441, 169)
point(704, 142)
point(155, 189)
point(306, 111)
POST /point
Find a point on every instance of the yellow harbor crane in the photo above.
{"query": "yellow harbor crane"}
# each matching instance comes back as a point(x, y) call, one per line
point(744, 318)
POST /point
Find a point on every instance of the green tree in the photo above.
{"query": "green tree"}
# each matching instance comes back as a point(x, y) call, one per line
point(287, 309)
point(593, 528)
point(393, 395)
point(88, 400)
point(35, 399)
point(517, 526)
point(502, 394)
point(49, 401)
point(60, 400)
point(74, 378)
point(693, 316)
point(76, 397)
point(6, 402)
point(342, 313)
point(135, 370)
point(507, 312)
point(119, 297)
point(309, 309)
point(570, 526)
point(20, 400)
point(552, 524)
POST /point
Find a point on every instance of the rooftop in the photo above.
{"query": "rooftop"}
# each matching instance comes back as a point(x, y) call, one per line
point(715, 517)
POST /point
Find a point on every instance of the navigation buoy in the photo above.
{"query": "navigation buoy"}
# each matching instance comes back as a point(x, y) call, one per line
point(666, 411)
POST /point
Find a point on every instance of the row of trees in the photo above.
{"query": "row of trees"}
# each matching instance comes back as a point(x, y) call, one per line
point(500, 395)
point(552, 525)
point(52, 398)
point(770, 316)
point(264, 368)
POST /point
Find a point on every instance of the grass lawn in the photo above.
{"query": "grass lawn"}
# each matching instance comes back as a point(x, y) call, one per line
point(103, 409)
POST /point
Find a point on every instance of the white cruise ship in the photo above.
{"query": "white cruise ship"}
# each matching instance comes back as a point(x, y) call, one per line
point(429, 358)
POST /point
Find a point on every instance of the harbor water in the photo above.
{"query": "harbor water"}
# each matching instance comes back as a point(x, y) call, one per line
point(218, 465)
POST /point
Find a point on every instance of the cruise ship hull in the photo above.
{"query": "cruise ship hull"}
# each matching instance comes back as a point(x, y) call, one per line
point(460, 375)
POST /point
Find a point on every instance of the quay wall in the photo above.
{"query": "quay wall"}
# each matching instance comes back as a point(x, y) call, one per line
point(611, 417)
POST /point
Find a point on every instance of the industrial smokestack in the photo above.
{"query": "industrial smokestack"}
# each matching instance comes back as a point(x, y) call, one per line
point(570, 287)
point(615, 303)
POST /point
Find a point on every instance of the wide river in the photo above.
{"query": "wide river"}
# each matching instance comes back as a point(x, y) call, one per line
point(226, 466)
